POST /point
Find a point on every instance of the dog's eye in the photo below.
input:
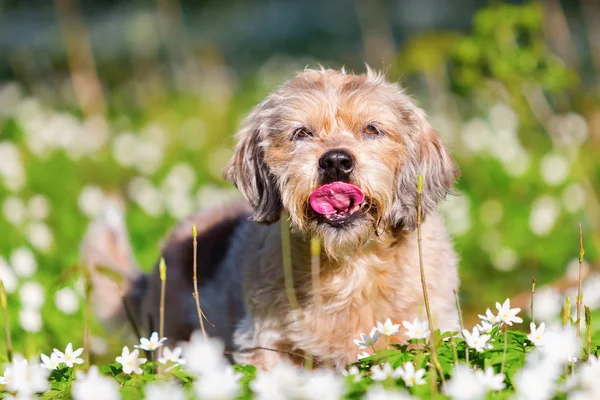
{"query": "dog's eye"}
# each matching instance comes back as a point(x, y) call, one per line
point(301, 133)
point(371, 130)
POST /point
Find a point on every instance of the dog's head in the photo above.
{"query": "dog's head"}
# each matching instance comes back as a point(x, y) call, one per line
point(342, 154)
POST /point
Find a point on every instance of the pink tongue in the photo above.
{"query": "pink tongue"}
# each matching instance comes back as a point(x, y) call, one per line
point(335, 197)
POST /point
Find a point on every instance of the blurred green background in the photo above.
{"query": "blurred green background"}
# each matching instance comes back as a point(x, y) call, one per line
point(139, 100)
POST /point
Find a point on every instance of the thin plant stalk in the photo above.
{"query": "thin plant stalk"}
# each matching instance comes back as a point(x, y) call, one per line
point(419, 239)
point(423, 280)
point(315, 266)
point(588, 328)
point(162, 269)
point(433, 382)
point(129, 315)
point(460, 322)
point(87, 313)
point(532, 297)
point(196, 295)
point(4, 304)
point(566, 312)
point(505, 329)
point(579, 294)
point(131, 320)
point(454, 349)
point(288, 275)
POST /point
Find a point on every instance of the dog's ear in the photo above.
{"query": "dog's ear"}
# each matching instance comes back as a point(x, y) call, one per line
point(248, 171)
point(429, 158)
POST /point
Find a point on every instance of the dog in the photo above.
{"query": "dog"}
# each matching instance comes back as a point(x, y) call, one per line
point(338, 155)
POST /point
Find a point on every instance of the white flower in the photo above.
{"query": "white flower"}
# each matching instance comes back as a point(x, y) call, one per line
point(203, 355)
point(91, 201)
point(150, 344)
point(508, 315)
point(554, 169)
point(586, 379)
point(281, 382)
point(24, 378)
point(369, 340)
point(130, 361)
point(14, 210)
point(93, 386)
point(410, 376)
point(149, 198)
point(544, 213)
point(7, 276)
point(484, 327)
point(70, 357)
point(490, 380)
point(52, 362)
point(385, 371)
point(548, 303)
point(489, 317)
point(505, 259)
point(457, 214)
point(182, 177)
point(362, 355)
point(11, 168)
point(418, 329)
point(378, 392)
point(354, 372)
point(537, 334)
point(32, 295)
point(464, 385)
point(30, 320)
point(536, 380)
point(164, 390)
point(39, 207)
point(561, 345)
point(323, 385)
point(23, 262)
point(40, 236)
point(476, 341)
point(573, 198)
point(173, 356)
point(388, 328)
point(66, 300)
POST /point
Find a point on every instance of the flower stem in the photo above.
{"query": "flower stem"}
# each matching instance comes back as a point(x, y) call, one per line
point(420, 243)
point(4, 303)
point(532, 297)
point(87, 312)
point(505, 329)
point(579, 294)
point(423, 281)
point(288, 276)
point(201, 315)
point(460, 322)
point(566, 312)
point(315, 266)
point(162, 268)
point(588, 328)
point(454, 350)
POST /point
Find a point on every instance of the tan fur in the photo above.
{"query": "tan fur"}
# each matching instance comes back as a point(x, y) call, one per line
point(369, 267)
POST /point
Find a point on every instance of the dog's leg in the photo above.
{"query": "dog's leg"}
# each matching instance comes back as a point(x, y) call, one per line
point(106, 244)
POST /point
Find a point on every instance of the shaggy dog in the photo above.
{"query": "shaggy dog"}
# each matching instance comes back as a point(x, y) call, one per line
point(339, 154)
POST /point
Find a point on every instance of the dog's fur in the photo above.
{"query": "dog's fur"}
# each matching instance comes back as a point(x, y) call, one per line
point(369, 266)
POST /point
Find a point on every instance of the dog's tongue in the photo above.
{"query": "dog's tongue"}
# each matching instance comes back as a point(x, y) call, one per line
point(335, 197)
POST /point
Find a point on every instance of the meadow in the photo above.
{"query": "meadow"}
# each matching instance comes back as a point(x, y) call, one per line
point(522, 122)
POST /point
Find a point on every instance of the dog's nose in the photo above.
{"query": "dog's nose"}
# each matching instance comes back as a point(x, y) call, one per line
point(336, 165)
